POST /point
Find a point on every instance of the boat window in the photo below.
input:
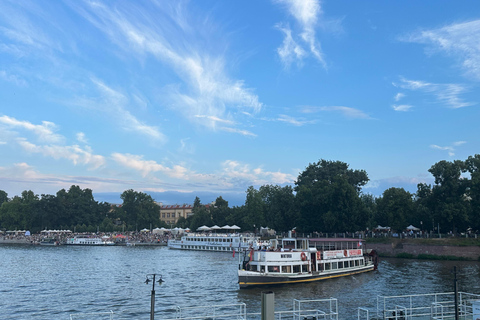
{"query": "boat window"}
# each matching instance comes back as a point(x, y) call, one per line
point(352, 263)
point(296, 269)
point(305, 268)
point(334, 265)
point(286, 269)
point(273, 269)
point(327, 266)
point(340, 264)
point(357, 263)
point(361, 262)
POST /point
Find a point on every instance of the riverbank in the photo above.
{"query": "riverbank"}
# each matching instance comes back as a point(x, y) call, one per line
point(427, 248)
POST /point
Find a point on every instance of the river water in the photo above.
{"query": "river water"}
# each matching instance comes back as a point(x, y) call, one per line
point(38, 282)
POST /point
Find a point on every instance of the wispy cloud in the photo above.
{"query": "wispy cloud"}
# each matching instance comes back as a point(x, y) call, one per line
point(448, 94)
point(74, 153)
point(294, 121)
point(399, 96)
point(45, 132)
point(146, 167)
point(239, 131)
point(236, 171)
point(179, 44)
point(116, 106)
point(306, 14)
point(459, 40)
point(12, 78)
point(402, 107)
point(450, 149)
point(347, 112)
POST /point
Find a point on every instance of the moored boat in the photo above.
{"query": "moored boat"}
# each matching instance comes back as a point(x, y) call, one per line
point(300, 260)
point(89, 241)
point(49, 242)
point(214, 242)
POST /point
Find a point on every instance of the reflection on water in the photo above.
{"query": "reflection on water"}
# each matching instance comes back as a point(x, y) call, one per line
point(53, 282)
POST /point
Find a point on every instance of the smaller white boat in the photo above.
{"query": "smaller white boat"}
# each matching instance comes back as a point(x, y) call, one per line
point(214, 242)
point(89, 241)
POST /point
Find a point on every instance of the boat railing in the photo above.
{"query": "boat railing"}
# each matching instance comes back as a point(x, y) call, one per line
point(228, 311)
point(94, 315)
point(301, 308)
point(294, 315)
point(438, 306)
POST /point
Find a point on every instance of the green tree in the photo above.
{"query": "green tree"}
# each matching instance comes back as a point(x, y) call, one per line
point(472, 165)
point(279, 207)
point(450, 195)
point(328, 197)
point(395, 209)
point(254, 216)
point(3, 197)
point(220, 211)
point(140, 210)
point(201, 215)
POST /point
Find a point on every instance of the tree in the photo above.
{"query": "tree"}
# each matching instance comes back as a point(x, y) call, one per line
point(254, 217)
point(140, 209)
point(396, 209)
point(328, 197)
point(450, 195)
point(3, 197)
point(472, 165)
point(220, 211)
point(279, 207)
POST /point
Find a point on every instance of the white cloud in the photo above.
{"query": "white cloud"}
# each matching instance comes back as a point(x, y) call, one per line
point(399, 96)
point(146, 167)
point(293, 121)
point(81, 137)
point(234, 170)
point(73, 153)
point(115, 104)
point(290, 51)
point(450, 149)
point(447, 94)
point(347, 112)
point(44, 132)
point(12, 78)
point(459, 40)
point(306, 14)
point(402, 107)
point(239, 131)
point(206, 86)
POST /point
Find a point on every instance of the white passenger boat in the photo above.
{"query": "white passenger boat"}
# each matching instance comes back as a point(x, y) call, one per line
point(300, 260)
point(214, 242)
point(87, 241)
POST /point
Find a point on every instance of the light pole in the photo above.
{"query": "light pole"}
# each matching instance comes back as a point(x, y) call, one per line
point(151, 278)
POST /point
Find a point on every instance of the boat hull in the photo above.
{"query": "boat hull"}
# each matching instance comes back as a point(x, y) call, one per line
point(247, 279)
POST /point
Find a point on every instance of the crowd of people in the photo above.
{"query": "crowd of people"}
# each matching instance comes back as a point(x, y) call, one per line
point(123, 238)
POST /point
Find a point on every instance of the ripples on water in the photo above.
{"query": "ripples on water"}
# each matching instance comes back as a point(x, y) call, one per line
point(39, 282)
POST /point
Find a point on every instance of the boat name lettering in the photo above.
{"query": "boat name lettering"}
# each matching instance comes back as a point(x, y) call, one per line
point(286, 256)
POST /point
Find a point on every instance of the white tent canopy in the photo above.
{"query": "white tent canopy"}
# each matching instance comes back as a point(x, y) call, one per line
point(235, 227)
point(226, 227)
point(411, 227)
point(203, 228)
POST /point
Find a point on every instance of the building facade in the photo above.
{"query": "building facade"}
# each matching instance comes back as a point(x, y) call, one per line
point(171, 213)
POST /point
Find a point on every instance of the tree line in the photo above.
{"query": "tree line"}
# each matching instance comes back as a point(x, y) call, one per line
point(326, 197)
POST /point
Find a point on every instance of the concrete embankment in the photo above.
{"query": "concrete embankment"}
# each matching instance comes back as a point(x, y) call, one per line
point(405, 248)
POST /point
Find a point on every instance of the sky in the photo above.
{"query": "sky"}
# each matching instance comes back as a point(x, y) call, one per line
point(185, 98)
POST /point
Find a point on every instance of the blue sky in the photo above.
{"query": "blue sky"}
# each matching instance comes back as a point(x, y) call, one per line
point(210, 97)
